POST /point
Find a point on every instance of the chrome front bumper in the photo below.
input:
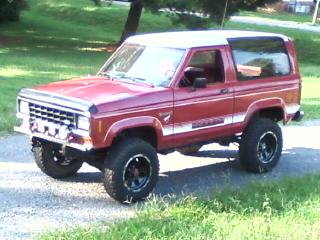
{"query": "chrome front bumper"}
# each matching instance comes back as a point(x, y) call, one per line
point(78, 139)
point(25, 129)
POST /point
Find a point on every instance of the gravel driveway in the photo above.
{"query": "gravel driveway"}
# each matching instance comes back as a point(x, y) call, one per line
point(32, 202)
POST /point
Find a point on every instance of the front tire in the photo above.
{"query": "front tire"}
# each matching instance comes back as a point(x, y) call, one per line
point(261, 146)
point(131, 170)
point(51, 162)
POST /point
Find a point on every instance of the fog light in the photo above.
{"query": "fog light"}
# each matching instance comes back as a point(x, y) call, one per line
point(41, 128)
point(64, 132)
point(52, 130)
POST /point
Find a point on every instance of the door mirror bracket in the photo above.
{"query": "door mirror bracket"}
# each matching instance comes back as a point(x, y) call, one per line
point(199, 82)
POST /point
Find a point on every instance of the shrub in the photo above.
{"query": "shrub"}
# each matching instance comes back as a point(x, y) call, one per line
point(10, 10)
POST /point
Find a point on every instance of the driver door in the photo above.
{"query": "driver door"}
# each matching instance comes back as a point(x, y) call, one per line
point(202, 114)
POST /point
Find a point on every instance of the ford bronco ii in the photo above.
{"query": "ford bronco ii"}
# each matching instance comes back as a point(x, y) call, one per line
point(163, 92)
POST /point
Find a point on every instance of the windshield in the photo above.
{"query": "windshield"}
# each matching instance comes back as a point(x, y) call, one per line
point(154, 66)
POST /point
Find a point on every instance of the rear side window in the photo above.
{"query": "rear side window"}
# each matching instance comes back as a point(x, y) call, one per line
point(257, 58)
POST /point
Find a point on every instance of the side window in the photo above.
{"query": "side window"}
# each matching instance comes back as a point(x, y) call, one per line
point(206, 64)
point(260, 57)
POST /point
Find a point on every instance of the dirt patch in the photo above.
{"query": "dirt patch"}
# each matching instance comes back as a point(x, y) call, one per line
point(110, 48)
point(9, 41)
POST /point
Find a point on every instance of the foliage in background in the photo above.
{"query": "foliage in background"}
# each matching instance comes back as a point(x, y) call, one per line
point(193, 14)
point(206, 11)
point(60, 39)
point(97, 2)
point(10, 10)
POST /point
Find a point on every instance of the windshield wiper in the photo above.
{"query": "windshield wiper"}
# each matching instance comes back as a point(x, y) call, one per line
point(107, 74)
point(138, 80)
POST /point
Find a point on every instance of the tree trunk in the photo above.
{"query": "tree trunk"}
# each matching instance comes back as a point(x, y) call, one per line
point(97, 3)
point(133, 20)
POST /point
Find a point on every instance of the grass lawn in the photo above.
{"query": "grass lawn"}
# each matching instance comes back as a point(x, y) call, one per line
point(288, 209)
point(62, 39)
point(58, 40)
point(282, 16)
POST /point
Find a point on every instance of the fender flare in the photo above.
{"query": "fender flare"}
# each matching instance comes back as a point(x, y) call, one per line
point(262, 104)
point(132, 122)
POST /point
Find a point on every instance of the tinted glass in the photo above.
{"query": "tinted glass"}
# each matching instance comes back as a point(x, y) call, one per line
point(260, 57)
point(204, 64)
point(146, 64)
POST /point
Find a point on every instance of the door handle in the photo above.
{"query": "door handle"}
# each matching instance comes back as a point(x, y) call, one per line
point(224, 90)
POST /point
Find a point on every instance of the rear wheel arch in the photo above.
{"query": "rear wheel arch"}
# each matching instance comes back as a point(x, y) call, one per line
point(275, 114)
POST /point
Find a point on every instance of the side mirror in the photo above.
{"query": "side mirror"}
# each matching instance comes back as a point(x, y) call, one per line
point(200, 83)
point(193, 72)
point(194, 69)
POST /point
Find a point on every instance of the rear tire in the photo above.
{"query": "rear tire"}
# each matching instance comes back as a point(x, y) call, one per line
point(53, 163)
point(131, 170)
point(261, 145)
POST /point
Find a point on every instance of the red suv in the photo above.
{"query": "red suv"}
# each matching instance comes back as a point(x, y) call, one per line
point(163, 92)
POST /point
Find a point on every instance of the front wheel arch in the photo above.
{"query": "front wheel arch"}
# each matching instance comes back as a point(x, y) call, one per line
point(145, 133)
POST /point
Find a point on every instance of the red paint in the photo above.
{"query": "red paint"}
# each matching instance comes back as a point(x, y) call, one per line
point(123, 106)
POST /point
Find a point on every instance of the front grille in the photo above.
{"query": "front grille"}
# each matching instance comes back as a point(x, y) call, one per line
point(52, 115)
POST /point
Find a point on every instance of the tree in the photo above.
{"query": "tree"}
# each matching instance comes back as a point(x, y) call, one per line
point(10, 10)
point(97, 2)
point(194, 14)
point(133, 19)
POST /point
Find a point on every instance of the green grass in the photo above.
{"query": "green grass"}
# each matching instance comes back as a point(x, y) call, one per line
point(62, 39)
point(58, 40)
point(282, 16)
point(288, 209)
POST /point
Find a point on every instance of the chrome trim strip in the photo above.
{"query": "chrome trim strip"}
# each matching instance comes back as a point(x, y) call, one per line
point(59, 100)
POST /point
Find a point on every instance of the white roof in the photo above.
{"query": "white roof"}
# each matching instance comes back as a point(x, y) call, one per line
point(190, 39)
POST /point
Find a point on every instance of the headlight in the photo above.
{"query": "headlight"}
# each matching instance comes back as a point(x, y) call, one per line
point(24, 107)
point(83, 123)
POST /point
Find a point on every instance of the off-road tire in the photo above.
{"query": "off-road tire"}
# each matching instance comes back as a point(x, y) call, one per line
point(189, 150)
point(261, 145)
point(52, 163)
point(117, 168)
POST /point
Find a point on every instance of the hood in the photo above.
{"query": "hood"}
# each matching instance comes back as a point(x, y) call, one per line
point(97, 90)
